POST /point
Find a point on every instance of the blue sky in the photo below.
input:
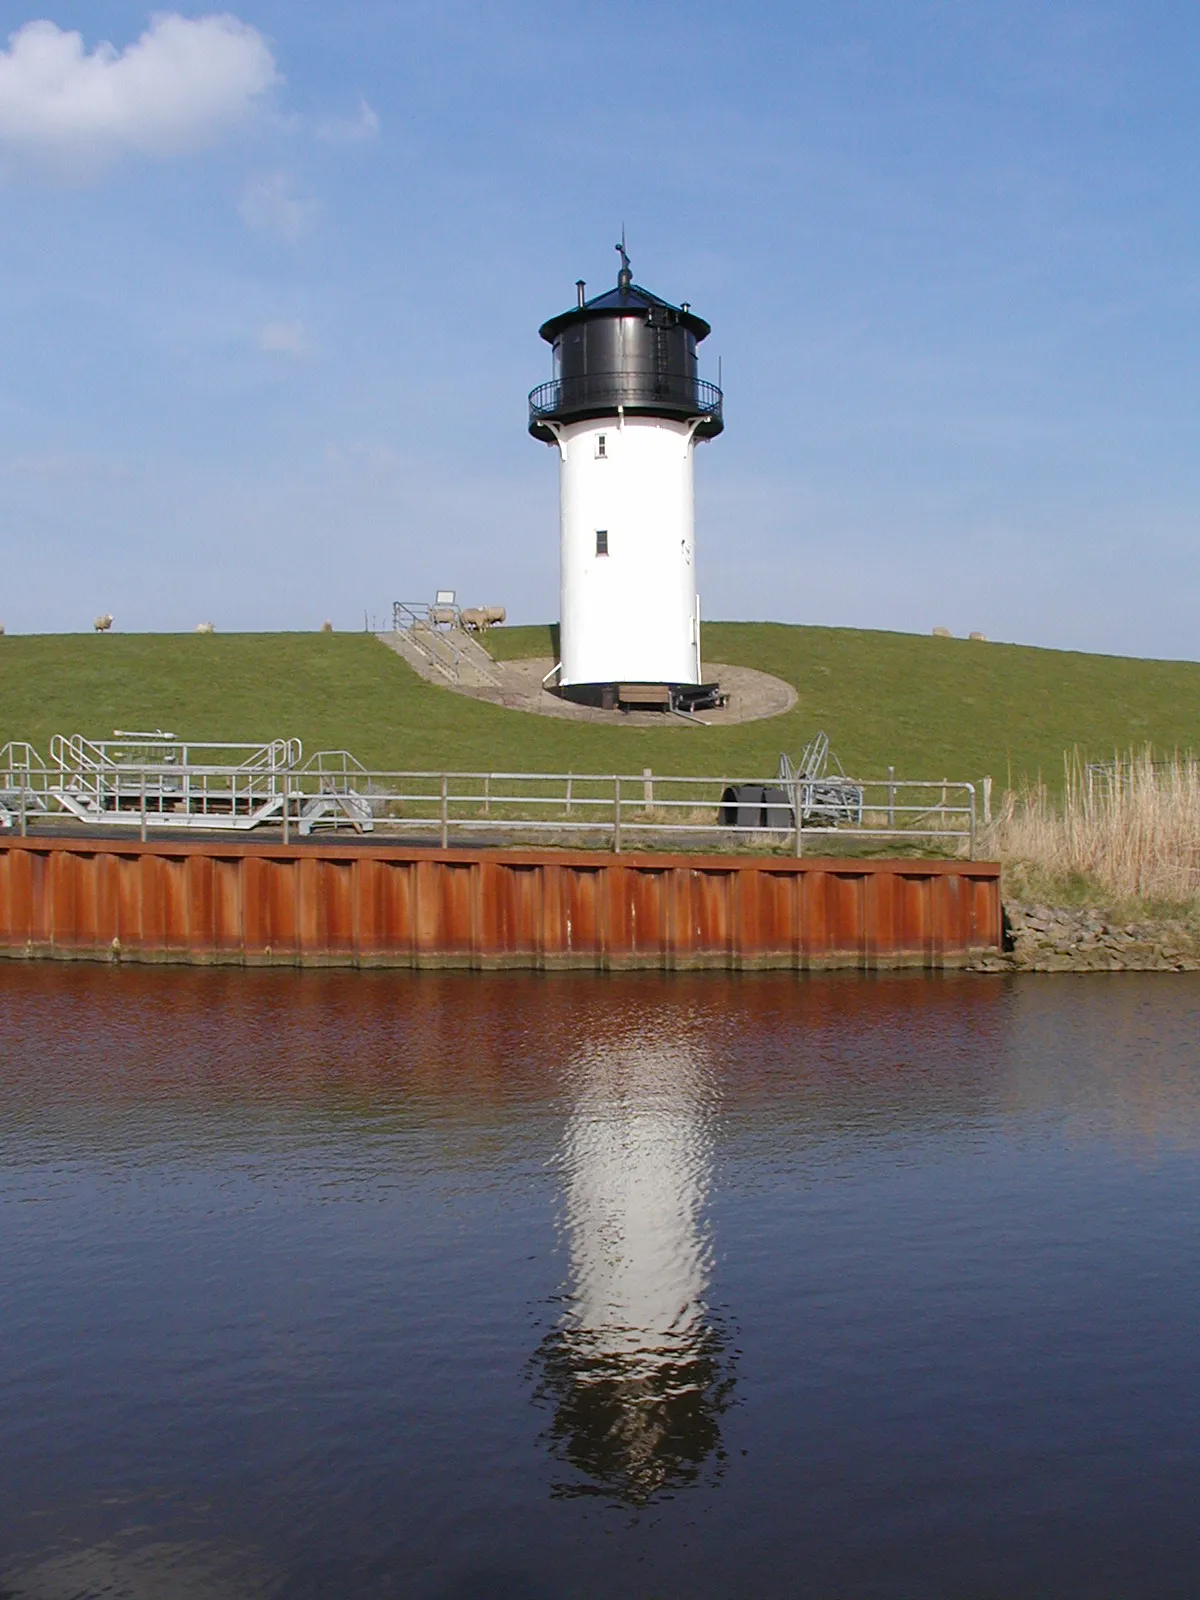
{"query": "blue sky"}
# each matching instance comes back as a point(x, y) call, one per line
point(271, 297)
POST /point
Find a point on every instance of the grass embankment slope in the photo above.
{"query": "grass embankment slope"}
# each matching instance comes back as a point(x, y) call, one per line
point(931, 707)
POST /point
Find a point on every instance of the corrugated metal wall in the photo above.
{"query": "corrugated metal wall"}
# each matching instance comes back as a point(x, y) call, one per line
point(323, 904)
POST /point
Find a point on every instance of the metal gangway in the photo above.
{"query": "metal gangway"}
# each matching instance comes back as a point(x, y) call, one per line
point(156, 780)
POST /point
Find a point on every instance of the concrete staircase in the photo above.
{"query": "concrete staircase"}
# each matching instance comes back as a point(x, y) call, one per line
point(445, 655)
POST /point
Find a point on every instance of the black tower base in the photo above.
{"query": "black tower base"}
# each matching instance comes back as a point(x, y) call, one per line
point(687, 697)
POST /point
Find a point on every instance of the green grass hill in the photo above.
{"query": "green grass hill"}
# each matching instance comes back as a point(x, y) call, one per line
point(930, 707)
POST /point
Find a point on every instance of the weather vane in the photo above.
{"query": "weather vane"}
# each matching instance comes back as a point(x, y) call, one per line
point(625, 276)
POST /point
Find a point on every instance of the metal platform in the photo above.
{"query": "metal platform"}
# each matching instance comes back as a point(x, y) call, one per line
point(154, 780)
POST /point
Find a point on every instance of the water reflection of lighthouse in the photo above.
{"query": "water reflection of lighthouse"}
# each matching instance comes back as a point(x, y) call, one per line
point(636, 1372)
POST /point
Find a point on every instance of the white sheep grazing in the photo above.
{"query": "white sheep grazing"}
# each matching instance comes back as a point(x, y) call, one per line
point(104, 623)
point(206, 627)
point(478, 619)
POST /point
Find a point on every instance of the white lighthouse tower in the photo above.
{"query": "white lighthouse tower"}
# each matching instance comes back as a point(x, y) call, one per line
point(626, 409)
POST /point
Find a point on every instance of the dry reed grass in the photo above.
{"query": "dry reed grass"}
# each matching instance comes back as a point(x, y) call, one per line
point(1131, 830)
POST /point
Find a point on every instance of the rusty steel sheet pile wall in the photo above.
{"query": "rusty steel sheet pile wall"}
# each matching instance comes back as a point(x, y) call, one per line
point(256, 903)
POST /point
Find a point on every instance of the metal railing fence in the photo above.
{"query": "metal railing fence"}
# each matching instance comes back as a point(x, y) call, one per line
point(24, 785)
point(112, 783)
point(677, 390)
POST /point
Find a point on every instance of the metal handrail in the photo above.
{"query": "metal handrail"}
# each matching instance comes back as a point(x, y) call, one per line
point(24, 785)
point(409, 614)
point(429, 632)
point(74, 751)
point(678, 390)
point(18, 758)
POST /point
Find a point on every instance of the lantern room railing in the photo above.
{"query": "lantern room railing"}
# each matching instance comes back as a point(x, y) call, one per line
point(672, 393)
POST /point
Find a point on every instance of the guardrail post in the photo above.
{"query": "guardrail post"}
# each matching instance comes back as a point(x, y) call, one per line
point(647, 787)
point(798, 809)
point(987, 799)
point(891, 797)
point(569, 780)
point(286, 833)
point(487, 794)
point(445, 811)
point(971, 846)
point(143, 805)
point(24, 823)
point(617, 816)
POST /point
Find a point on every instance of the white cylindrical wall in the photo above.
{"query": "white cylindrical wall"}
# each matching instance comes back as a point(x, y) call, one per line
point(629, 615)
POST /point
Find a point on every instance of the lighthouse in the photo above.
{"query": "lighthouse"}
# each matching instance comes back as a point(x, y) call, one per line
point(626, 410)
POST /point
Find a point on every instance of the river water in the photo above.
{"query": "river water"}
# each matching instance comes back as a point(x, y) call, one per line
point(454, 1286)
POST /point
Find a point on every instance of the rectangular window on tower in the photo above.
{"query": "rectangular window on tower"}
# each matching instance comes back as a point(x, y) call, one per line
point(601, 446)
point(601, 541)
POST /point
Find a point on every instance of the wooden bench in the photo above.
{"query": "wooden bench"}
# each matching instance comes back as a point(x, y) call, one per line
point(654, 695)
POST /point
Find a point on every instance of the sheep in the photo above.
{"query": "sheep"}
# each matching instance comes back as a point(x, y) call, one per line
point(104, 623)
point(206, 627)
point(478, 619)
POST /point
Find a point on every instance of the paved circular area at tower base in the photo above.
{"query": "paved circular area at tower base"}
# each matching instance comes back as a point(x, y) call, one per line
point(752, 696)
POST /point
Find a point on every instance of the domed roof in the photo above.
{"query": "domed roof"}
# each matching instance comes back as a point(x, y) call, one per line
point(628, 299)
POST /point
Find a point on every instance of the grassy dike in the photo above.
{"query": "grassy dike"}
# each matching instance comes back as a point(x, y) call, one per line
point(931, 707)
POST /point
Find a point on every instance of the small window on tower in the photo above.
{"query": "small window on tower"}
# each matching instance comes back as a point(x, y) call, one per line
point(601, 541)
point(601, 446)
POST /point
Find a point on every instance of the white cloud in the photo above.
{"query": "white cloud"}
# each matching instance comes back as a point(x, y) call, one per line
point(185, 82)
point(350, 130)
point(269, 202)
point(285, 339)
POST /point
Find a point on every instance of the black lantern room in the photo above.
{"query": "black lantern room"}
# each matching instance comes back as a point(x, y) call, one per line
point(625, 351)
